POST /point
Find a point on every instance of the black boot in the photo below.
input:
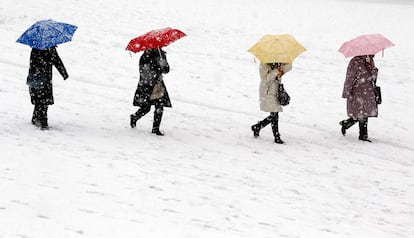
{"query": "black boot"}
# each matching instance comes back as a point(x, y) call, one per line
point(256, 129)
point(363, 130)
point(346, 124)
point(275, 128)
point(278, 140)
point(142, 111)
point(133, 120)
point(261, 124)
point(157, 121)
point(43, 124)
point(157, 132)
point(39, 118)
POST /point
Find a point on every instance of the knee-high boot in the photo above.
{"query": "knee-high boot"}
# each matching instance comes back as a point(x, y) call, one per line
point(157, 121)
point(275, 128)
point(142, 111)
point(346, 124)
point(260, 124)
point(363, 129)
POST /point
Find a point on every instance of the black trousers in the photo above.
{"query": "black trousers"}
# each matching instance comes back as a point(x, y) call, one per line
point(142, 111)
point(40, 112)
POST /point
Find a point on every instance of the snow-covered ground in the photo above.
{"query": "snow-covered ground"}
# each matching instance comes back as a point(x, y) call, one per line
point(91, 175)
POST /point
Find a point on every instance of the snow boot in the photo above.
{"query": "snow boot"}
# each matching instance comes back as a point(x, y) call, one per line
point(133, 120)
point(43, 124)
point(274, 116)
point(278, 140)
point(157, 121)
point(157, 132)
point(275, 130)
point(363, 130)
point(346, 124)
point(256, 129)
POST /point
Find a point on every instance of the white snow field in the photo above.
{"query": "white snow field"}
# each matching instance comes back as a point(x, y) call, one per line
point(93, 176)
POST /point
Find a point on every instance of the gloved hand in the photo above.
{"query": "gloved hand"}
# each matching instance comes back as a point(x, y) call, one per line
point(65, 77)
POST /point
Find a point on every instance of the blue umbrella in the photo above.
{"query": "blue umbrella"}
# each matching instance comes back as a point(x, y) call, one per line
point(47, 33)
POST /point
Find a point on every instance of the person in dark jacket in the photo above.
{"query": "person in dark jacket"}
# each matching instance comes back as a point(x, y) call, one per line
point(359, 89)
point(151, 89)
point(39, 81)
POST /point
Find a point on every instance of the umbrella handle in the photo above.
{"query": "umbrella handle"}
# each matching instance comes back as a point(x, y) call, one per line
point(159, 51)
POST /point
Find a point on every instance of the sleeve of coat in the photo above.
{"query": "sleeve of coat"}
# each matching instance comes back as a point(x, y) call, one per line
point(351, 75)
point(165, 67)
point(272, 75)
point(57, 62)
point(374, 74)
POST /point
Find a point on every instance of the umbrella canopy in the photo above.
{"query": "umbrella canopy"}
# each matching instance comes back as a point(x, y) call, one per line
point(154, 39)
point(47, 33)
point(277, 48)
point(365, 45)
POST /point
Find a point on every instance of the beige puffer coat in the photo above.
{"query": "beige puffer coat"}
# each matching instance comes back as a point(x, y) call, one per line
point(269, 88)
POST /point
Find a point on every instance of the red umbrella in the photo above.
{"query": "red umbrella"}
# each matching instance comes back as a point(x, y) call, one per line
point(154, 39)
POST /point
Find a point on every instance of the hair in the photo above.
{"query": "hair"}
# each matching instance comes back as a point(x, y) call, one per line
point(274, 65)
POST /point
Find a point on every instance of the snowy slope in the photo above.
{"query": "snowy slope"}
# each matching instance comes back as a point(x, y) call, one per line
point(91, 175)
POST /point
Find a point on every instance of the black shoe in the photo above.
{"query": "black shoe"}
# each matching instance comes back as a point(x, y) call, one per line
point(157, 132)
point(256, 130)
point(34, 119)
point(365, 139)
point(133, 121)
point(43, 124)
point(278, 140)
point(37, 123)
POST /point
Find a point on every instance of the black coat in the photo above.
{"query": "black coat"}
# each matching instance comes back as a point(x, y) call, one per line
point(151, 67)
point(39, 79)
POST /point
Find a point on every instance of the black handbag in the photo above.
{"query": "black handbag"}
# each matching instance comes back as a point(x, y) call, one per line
point(377, 92)
point(284, 98)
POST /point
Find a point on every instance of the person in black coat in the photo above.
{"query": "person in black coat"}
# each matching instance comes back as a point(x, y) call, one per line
point(151, 89)
point(39, 81)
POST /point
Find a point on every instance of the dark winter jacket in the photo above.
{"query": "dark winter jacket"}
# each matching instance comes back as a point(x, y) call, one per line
point(151, 67)
point(359, 87)
point(39, 79)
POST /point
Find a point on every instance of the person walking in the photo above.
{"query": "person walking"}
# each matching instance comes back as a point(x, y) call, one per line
point(270, 75)
point(40, 85)
point(151, 89)
point(359, 87)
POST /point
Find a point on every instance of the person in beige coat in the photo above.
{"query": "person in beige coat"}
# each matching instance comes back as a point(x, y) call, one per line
point(270, 75)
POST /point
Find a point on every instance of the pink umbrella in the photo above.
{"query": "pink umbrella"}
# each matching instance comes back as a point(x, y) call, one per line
point(365, 45)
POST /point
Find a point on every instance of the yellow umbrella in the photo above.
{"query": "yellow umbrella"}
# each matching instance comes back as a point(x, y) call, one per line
point(277, 48)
